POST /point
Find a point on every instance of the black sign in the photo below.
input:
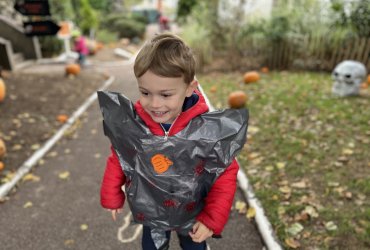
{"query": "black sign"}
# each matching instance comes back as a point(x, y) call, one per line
point(33, 8)
point(41, 28)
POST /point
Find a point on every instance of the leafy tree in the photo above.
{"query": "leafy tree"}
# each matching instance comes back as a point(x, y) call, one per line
point(61, 10)
point(100, 5)
point(184, 8)
point(354, 16)
point(88, 16)
point(360, 18)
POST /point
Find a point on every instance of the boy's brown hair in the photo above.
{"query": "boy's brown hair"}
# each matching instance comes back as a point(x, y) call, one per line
point(168, 56)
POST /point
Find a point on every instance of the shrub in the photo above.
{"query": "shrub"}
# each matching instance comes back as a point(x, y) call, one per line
point(106, 36)
point(50, 46)
point(125, 25)
point(129, 28)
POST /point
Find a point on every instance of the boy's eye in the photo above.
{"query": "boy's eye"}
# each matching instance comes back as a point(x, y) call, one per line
point(166, 95)
point(144, 93)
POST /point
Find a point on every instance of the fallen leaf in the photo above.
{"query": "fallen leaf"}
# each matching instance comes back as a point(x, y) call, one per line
point(351, 145)
point(347, 151)
point(252, 171)
point(338, 164)
point(280, 165)
point(251, 213)
point(84, 227)
point(97, 155)
point(52, 154)
point(301, 217)
point(330, 226)
point(253, 129)
point(241, 207)
point(253, 155)
point(31, 177)
point(8, 176)
point(69, 242)
point(27, 204)
point(257, 161)
point(311, 211)
point(361, 196)
point(35, 146)
point(283, 183)
point(348, 195)
point(333, 184)
point(295, 229)
point(285, 190)
point(306, 234)
point(269, 168)
point(300, 184)
point(343, 159)
point(292, 243)
point(64, 175)
point(17, 147)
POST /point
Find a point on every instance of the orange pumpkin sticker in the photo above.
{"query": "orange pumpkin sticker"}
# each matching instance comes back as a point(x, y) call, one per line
point(161, 163)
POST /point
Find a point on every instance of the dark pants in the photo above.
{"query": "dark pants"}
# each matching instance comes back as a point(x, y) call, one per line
point(186, 242)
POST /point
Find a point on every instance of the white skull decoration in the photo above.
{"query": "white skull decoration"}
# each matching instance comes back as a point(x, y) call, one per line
point(348, 76)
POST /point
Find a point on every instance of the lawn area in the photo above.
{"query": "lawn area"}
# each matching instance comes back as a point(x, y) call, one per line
point(307, 155)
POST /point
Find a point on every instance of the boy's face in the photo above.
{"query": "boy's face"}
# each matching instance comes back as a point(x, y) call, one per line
point(162, 97)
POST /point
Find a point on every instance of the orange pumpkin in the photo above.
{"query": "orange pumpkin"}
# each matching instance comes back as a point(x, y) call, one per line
point(251, 76)
point(160, 163)
point(2, 149)
point(2, 166)
point(265, 70)
point(2, 90)
point(213, 89)
point(99, 45)
point(237, 99)
point(73, 69)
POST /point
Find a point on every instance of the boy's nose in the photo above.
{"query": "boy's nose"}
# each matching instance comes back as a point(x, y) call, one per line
point(156, 102)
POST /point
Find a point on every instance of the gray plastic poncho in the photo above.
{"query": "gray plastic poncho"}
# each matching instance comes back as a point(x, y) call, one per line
point(168, 177)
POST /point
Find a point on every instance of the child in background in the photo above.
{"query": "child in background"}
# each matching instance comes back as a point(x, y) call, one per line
point(80, 46)
point(196, 200)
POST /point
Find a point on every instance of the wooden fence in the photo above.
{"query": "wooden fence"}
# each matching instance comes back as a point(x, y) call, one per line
point(316, 53)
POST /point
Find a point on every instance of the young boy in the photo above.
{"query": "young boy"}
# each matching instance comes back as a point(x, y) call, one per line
point(175, 159)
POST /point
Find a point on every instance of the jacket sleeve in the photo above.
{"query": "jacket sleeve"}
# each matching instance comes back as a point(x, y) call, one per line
point(111, 194)
point(219, 200)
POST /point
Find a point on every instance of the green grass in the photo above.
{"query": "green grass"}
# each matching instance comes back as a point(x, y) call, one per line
point(321, 140)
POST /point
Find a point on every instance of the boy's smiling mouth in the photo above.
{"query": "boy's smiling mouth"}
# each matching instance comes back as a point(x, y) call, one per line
point(159, 113)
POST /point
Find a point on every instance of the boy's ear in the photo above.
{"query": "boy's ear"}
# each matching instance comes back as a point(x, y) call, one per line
point(191, 88)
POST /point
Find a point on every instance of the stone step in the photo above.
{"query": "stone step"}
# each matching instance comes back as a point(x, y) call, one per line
point(23, 64)
point(18, 58)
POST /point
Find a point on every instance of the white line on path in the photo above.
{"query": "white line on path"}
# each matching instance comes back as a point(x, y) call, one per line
point(31, 161)
point(123, 228)
point(263, 224)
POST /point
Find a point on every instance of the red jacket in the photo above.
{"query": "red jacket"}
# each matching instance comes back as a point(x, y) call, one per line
point(219, 199)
